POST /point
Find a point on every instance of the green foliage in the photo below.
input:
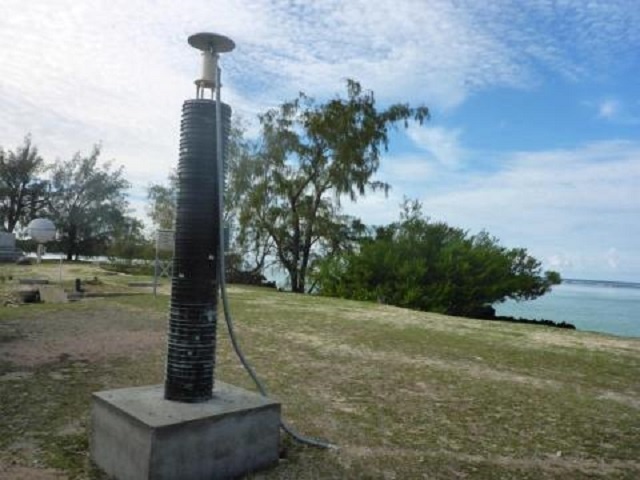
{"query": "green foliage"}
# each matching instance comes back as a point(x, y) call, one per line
point(22, 192)
point(419, 264)
point(144, 268)
point(87, 203)
point(128, 243)
point(250, 247)
point(311, 155)
point(162, 202)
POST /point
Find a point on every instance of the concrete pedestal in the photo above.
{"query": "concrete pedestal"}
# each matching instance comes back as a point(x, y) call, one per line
point(136, 434)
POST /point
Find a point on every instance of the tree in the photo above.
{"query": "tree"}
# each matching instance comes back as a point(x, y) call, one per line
point(128, 242)
point(162, 206)
point(87, 203)
point(310, 156)
point(22, 192)
point(250, 249)
point(419, 264)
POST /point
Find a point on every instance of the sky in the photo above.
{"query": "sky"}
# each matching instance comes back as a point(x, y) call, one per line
point(534, 133)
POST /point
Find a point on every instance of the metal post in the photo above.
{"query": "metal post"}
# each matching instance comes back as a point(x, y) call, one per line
point(155, 270)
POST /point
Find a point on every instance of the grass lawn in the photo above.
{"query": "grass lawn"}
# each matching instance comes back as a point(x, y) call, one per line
point(405, 395)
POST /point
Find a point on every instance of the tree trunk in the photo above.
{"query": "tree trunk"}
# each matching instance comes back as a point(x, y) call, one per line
point(293, 276)
point(71, 247)
point(297, 282)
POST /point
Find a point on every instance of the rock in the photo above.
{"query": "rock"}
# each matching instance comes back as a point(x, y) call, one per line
point(53, 294)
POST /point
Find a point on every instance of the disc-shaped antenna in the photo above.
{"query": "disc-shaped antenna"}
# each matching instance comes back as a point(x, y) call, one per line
point(211, 42)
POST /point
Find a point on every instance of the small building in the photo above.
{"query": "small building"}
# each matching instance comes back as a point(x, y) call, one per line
point(8, 250)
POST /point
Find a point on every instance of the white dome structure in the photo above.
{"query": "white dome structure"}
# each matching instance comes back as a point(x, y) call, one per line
point(42, 230)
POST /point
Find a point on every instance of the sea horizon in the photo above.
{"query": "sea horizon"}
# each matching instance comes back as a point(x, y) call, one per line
point(603, 306)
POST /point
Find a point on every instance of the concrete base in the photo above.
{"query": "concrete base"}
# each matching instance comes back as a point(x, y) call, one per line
point(136, 434)
point(53, 294)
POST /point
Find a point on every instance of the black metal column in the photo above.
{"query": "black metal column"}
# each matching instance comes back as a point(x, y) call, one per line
point(193, 312)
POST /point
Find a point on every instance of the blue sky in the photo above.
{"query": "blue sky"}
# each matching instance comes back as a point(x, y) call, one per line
point(535, 129)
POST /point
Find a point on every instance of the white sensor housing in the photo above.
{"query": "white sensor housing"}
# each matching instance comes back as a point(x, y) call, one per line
point(211, 44)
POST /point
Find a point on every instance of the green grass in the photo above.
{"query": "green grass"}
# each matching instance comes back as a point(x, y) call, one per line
point(404, 394)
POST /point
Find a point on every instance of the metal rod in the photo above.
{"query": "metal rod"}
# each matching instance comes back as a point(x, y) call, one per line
point(155, 270)
point(220, 162)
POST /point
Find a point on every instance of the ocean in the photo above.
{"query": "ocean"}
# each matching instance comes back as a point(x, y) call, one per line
point(598, 306)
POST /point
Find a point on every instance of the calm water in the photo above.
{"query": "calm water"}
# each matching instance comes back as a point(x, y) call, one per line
point(597, 306)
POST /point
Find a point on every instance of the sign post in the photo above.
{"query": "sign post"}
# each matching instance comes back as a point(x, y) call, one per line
point(165, 242)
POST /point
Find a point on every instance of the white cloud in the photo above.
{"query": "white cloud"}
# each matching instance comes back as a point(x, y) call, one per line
point(612, 258)
point(441, 144)
point(406, 169)
point(608, 109)
point(559, 261)
point(600, 177)
point(376, 208)
point(616, 110)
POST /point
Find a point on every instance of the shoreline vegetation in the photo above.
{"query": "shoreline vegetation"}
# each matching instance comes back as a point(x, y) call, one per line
point(528, 321)
point(489, 313)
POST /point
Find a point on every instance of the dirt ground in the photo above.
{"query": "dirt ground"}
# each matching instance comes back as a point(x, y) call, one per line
point(68, 335)
point(59, 343)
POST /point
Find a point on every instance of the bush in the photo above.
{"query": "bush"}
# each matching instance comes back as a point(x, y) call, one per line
point(417, 264)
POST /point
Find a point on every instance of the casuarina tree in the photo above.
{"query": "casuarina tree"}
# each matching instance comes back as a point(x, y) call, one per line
point(22, 190)
point(310, 156)
point(87, 203)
